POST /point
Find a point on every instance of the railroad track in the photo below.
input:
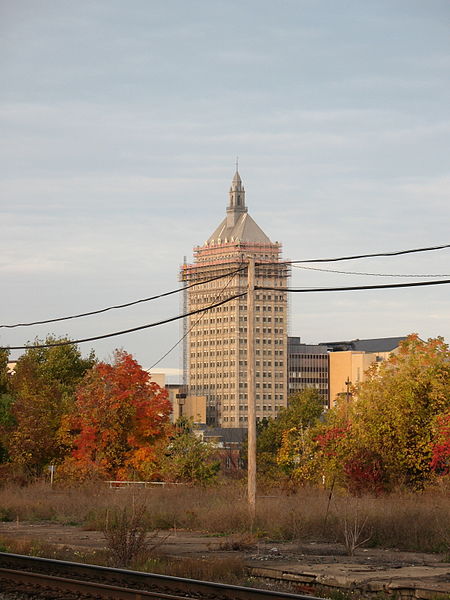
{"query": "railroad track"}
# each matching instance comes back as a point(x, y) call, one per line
point(60, 579)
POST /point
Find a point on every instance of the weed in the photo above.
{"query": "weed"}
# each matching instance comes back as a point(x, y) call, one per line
point(240, 542)
point(127, 535)
point(407, 521)
point(354, 528)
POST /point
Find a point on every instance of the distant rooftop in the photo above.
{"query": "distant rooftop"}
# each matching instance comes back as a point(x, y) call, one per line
point(295, 346)
point(371, 345)
point(228, 434)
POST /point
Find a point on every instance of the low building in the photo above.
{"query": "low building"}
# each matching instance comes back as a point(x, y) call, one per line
point(349, 361)
point(307, 368)
point(186, 405)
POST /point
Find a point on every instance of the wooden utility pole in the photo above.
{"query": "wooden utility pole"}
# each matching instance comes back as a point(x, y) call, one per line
point(251, 387)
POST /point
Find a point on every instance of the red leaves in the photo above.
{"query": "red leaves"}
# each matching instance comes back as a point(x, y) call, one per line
point(119, 414)
point(330, 439)
point(364, 473)
point(440, 462)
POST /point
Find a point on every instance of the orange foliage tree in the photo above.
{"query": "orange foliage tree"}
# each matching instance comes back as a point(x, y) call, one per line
point(120, 419)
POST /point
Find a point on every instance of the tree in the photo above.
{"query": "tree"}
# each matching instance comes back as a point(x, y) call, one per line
point(6, 417)
point(397, 408)
point(440, 460)
point(119, 418)
point(189, 459)
point(303, 411)
point(393, 433)
point(42, 391)
point(4, 377)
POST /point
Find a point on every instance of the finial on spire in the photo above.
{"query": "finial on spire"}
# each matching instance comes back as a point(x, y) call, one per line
point(237, 163)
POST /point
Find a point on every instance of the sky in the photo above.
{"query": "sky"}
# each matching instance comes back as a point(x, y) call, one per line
point(120, 126)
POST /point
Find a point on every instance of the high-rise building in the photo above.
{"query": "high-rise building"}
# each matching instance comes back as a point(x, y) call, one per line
point(217, 342)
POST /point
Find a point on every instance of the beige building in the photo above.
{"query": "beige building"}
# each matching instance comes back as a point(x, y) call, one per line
point(217, 347)
point(191, 407)
point(349, 361)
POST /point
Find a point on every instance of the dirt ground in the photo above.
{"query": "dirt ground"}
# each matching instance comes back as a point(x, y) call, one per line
point(309, 565)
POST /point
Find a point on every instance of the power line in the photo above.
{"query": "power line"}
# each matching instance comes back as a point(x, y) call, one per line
point(202, 310)
point(371, 274)
point(357, 256)
point(193, 325)
point(292, 262)
point(109, 335)
point(134, 302)
point(355, 287)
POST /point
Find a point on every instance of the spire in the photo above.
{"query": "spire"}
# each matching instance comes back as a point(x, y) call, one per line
point(238, 226)
point(236, 205)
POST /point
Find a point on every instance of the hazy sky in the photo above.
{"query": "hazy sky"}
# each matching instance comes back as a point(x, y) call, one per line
point(120, 124)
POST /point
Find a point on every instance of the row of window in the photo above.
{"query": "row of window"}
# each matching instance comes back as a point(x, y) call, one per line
point(217, 400)
point(231, 352)
point(232, 341)
point(305, 370)
point(231, 363)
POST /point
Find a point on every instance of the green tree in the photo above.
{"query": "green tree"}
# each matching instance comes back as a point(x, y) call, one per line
point(6, 416)
point(303, 411)
point(42, 391)
point(189, 459)
point(4, 377)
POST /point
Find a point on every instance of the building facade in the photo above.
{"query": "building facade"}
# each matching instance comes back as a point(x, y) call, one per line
point(307, 368)
point(217, 341)
point(350, 360)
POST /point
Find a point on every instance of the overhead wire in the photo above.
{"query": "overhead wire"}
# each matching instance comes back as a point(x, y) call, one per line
point(358, 256)
point(205, 310)
point(232, 273)
point(241, 268)
point(116, 333)
point(353, 287)
point(370, 274)
point(125, 305)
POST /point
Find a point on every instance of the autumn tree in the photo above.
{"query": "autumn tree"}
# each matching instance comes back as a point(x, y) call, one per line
point(42, 391)
point(397, 408)
point(394, 431)
point(119, 420)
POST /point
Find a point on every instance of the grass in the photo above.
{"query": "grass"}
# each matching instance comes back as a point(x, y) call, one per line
point(229, 570)
point(407, 521)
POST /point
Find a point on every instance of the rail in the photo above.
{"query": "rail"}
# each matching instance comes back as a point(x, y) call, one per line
point(27, 573)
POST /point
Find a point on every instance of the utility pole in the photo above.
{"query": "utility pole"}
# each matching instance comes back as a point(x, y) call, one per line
point(251, 388)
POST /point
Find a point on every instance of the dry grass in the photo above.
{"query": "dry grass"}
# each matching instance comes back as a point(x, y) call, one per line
point(407, 521)
point(230, 569)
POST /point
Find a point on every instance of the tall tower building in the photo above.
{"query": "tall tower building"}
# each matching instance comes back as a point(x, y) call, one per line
point(217, 344)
